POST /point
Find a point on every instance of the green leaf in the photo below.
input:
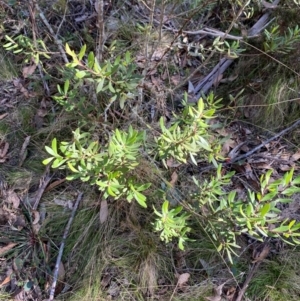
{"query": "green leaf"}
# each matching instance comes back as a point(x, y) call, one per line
point(71, 167)
point(82, 52)
point(269, 196)
point(165, 208)
point(203, 143)
point(291, 190)
point(141, 199)
point(69, 51)
point(127, 57)
point(28, 286)
point(66, 86)
point(51, 151)
point(91, 60)
point(281, 229)
point(110, 87)
point(249, 209)
point(180, 243)
point(122, 101)
point(80, 74)
point(265, 209)
point(58, 162)
point(48, 160)
point(100, 85)
point(288, 177)
point(18, 51)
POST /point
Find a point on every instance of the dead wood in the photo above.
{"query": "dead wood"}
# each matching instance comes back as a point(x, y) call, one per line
point(205, 84)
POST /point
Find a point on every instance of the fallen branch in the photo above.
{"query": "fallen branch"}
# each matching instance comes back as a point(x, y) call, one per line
point(205, 84)
point(61, 248)
point(44, 181)
point(255, 149)
point(57, 41)
point(247, 281)
point(261, 254)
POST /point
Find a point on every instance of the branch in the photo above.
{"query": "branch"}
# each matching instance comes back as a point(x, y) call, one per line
point(57, 41)
point(99, 7)
point(61, 249)
point(205, 84)
point(247, 281)
point(44, 181)
point(255, 149)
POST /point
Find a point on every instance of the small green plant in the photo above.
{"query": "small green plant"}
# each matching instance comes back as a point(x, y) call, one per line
point(22, 44)
point(232, 50)
point(188, 135)
point(276, 43)
point(226, 217)
point(172, 223)
point(109, 168)
point(117, 79)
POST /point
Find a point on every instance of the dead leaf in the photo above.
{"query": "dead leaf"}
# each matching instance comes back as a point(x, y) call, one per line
point(3, 116)
point(260, 253)
point(5, 281)
point(295, 156)
point(183, 279)
point(106, 280)
point(172, 163)
point(97, 6)
point(230, 293)
point(23, 152)
point(28, 70)
point(176, 79)
point(13, 198)
point(5, 249)
point(103, 211)
point(4, 146)
point(174, 178)
point(218, 293)
point(54, 184)
point(17, 83)
point(285, 167)
point(36, 217)
point(228, 144)
point(65, 203)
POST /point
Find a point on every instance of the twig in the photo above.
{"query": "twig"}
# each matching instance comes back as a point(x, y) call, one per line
point(34, 32)
point(22, 156)
point(205, 84)
point(247, 281)
point(99, 7)
point(208, 81)
point(61, 248)
point(57, 41)
point(43, 184)
point(255, 149)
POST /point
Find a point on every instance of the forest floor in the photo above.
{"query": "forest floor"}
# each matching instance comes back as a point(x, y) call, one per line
point(110, 251)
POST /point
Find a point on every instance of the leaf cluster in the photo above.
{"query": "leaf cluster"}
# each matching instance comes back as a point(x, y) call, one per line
point(109, 168)
point(187, 135)
point(118, 79)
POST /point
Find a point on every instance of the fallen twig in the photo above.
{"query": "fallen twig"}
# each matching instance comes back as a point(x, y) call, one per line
point(61, 248)
point(57, 41)
point(259, 255)
point(205, 84)
point(247, 281)
point(22, 156)
point(43, 184)
point(255, 149)
point(99, 7)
